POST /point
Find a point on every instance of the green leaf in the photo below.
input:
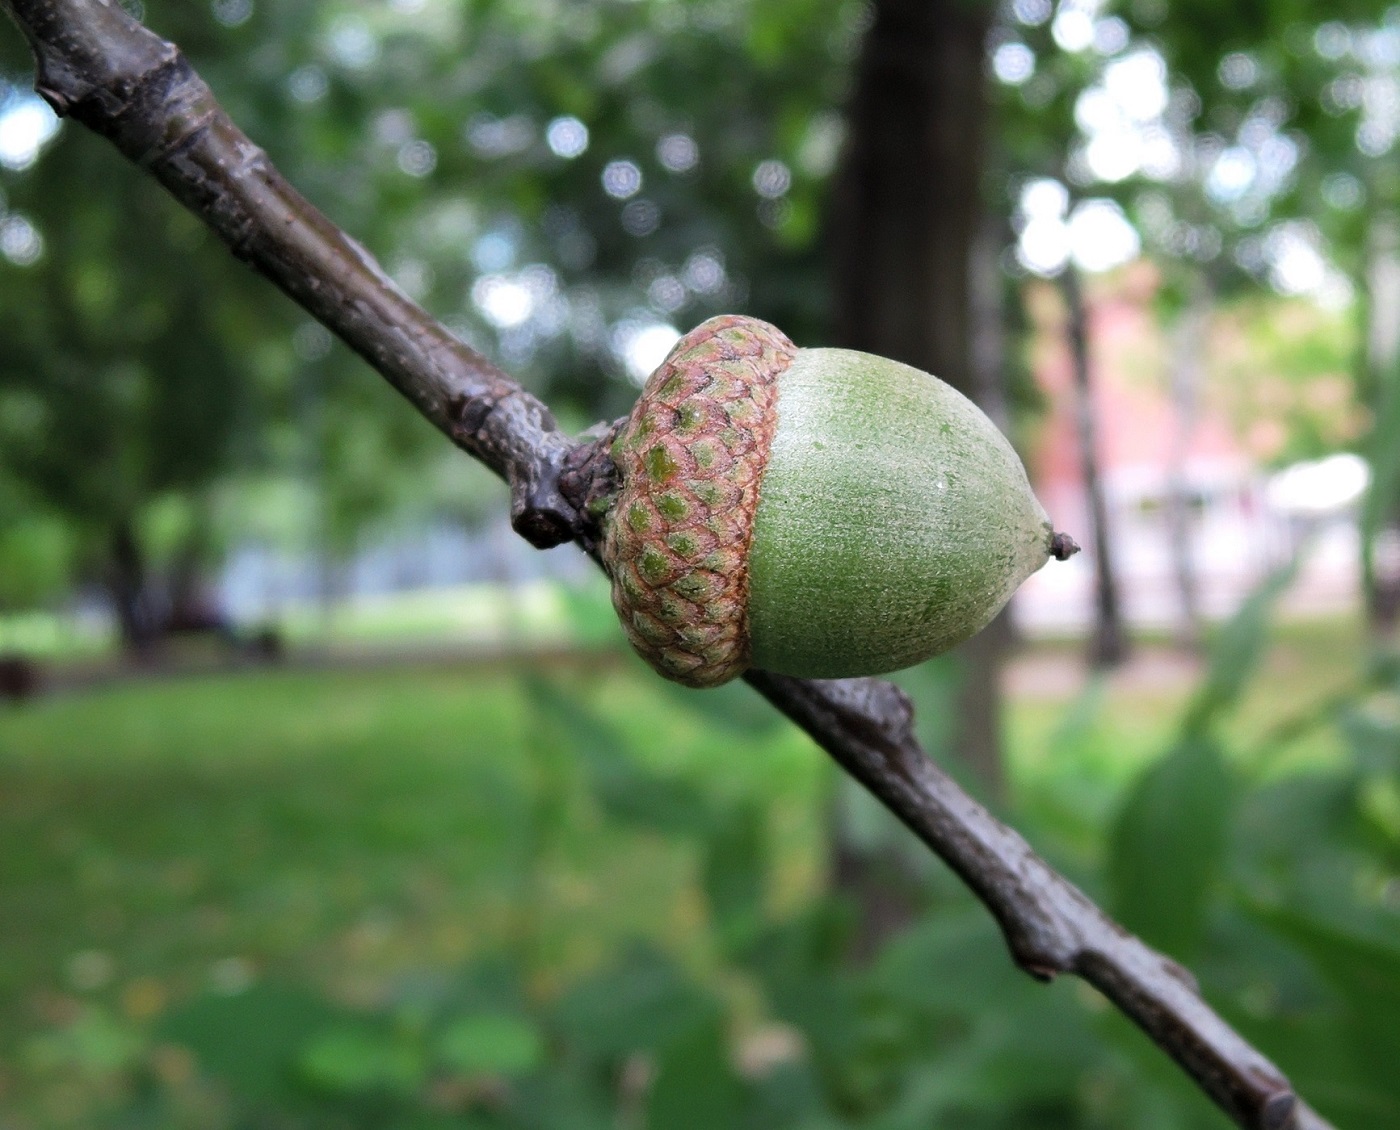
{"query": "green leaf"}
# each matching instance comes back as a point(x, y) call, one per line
point(1168, 844)
point(915, 967)
point(1365, 973)
point(804, 969)
point(1374, 741)
point(629, 794)
point(566, 1098)
point(1236, 651)
point(1298, 839)
point(641, 1002)
point(790, 1095)
point(695, 1088)
point(361, 1058)
point(1004, 1043)
point(491, 1044)
point(734, 873)
point(250, 1041)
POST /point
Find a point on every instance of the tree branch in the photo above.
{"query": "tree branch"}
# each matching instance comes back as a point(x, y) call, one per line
point(97, 65)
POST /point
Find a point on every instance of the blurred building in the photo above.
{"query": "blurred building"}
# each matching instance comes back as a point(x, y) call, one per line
point(260, 582)
point(1242, 521)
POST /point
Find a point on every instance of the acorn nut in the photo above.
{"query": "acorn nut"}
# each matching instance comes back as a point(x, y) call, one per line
point(813, 512)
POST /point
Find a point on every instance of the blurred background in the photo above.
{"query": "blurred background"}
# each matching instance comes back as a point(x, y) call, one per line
point(326, 802)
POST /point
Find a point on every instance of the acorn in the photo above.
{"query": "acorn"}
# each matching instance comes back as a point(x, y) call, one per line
point(813, 512)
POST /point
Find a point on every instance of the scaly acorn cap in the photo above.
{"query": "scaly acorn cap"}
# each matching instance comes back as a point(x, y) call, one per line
point(814, 512)
point(690, 458)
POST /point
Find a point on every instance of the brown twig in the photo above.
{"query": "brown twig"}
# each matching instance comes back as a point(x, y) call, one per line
point(97, 65)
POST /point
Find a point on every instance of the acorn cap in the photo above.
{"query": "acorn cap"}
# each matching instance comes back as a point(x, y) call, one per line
point(690, 459)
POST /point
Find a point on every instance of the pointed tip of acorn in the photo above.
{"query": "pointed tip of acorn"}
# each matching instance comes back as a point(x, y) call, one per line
point(1063, 547)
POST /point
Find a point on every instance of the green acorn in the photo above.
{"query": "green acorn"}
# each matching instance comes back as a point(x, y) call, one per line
point(813, 512)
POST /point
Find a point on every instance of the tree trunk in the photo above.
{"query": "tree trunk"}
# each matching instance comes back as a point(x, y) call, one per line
point(906, 214)
point(129, 593)
point(192, 605)
point(1108, 645)
point(1187, 363)
point(1381, 559)
point(979, 701)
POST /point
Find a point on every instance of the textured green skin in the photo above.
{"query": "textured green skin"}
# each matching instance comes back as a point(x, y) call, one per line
point(894, 520)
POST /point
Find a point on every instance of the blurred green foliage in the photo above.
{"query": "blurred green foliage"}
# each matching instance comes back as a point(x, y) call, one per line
point(550, 180)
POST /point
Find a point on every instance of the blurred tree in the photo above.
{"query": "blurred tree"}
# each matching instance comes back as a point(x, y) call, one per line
point(1108, 642)
point(123, 378)
point(906, 215)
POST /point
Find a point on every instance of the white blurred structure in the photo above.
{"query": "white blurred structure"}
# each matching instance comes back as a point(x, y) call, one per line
point(260, 583)
point(1243, 524)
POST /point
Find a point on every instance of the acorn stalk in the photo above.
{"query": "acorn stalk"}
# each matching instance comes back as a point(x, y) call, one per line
point(813, 512)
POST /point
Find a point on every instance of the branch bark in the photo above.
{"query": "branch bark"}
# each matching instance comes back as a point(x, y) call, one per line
point(97, 65)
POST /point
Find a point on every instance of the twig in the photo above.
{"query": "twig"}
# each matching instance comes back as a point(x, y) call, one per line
point(96, 64)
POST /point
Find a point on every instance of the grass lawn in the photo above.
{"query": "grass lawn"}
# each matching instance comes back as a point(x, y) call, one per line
point(340, 829)
point(345, 828)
